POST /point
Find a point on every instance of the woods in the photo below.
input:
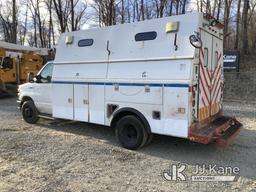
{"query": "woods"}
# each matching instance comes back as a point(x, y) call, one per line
point(39, 22)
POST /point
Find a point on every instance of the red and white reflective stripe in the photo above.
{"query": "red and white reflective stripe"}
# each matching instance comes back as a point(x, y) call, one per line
point(204, 82)
point(217, 83)
point(209, 90)
point(204, 70)
point(202, 100)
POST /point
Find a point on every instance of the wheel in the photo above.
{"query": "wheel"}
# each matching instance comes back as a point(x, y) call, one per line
point(29, 112)
point(150, 137)
point(131, 132)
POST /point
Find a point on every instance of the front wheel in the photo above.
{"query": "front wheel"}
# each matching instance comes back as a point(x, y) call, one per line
point(29, 112)
point(131, 132)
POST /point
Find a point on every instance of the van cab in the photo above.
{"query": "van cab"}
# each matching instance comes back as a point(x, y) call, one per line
point(38, 90)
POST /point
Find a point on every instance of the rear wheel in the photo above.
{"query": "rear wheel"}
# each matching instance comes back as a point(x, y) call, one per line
point(29, 112)
point(131, 132)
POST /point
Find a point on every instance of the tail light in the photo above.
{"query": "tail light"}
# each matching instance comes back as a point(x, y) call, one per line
point(192, 89)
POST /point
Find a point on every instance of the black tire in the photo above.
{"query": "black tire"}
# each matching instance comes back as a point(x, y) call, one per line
point(131, 132)
point(150, 137)
point(29, 112)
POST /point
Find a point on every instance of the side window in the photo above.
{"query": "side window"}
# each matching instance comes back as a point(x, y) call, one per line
point(85, 42)
point(146, 36)
point(46, 73)
point(205, 57)
point(7, 63)
point(215, 60)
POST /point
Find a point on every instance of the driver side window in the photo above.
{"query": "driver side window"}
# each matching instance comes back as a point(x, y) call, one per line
point(7, 63)
point(46, 74)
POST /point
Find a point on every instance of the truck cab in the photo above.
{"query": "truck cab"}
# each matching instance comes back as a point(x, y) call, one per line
point(37, 92)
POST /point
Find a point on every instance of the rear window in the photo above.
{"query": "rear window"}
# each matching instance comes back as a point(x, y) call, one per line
point(215, 60)
point(205, 57)
point(146, 36)
point(85, 42)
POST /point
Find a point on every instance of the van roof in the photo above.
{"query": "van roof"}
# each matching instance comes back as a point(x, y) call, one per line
point(120, 40)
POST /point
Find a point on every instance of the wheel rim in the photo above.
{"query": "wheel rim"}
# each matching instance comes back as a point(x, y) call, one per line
point(130, 134)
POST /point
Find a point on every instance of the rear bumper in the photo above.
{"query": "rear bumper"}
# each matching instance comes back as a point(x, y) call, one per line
point(222, 131)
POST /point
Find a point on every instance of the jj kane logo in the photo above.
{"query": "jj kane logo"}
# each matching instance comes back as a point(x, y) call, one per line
point(201, 173)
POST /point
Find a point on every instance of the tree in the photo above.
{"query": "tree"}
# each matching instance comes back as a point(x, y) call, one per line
point(6, 20)
point(245, 27)
point(237, 25)
point(51, 33)
point(61, 9)
point(227, 8)
point(106, 11)
point(14, 22)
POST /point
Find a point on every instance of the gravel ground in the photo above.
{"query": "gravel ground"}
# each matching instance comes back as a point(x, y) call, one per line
point(69, 156)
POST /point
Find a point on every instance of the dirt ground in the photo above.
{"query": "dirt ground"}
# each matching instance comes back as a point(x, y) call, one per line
point(69, 156)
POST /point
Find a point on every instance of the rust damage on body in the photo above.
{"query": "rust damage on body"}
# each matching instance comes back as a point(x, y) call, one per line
point(218, 128)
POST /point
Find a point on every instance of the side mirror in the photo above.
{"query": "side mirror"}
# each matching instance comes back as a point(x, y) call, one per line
point(30, 77)
point(37, 79)
point(49, 79)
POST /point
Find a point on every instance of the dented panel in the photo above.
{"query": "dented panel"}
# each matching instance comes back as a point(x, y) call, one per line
point(176, 111)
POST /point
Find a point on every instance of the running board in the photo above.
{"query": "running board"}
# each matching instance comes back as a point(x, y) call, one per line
point(46, 116)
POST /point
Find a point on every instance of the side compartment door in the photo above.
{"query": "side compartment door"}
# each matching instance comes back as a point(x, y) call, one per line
point(63, 101)
point(81, 102)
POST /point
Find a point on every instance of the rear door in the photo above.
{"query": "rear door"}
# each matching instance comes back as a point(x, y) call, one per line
point(210, 77)
point(217, 75)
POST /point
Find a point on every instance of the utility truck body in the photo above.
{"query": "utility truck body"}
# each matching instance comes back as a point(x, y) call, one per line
point(161, 76)
point(16, 61)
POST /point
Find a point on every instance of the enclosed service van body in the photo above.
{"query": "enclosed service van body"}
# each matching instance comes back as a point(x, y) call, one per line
point(161, 76)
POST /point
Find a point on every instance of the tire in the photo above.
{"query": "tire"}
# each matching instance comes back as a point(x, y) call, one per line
point(29, 112)
point(150, 137)
point(131, 132)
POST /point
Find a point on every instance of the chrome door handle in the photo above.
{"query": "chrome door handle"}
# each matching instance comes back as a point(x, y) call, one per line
point(69, 100)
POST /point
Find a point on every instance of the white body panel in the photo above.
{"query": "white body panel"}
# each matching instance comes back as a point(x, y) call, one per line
point(42, 97)
point(135, 94)
point(63, 101)
point(148, 76)
point(154, 70)
point(176, 123)
point(97, 105)
point(81, 102)
point(78, 71)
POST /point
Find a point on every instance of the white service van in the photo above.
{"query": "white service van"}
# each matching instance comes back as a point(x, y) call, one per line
point(161, 76)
